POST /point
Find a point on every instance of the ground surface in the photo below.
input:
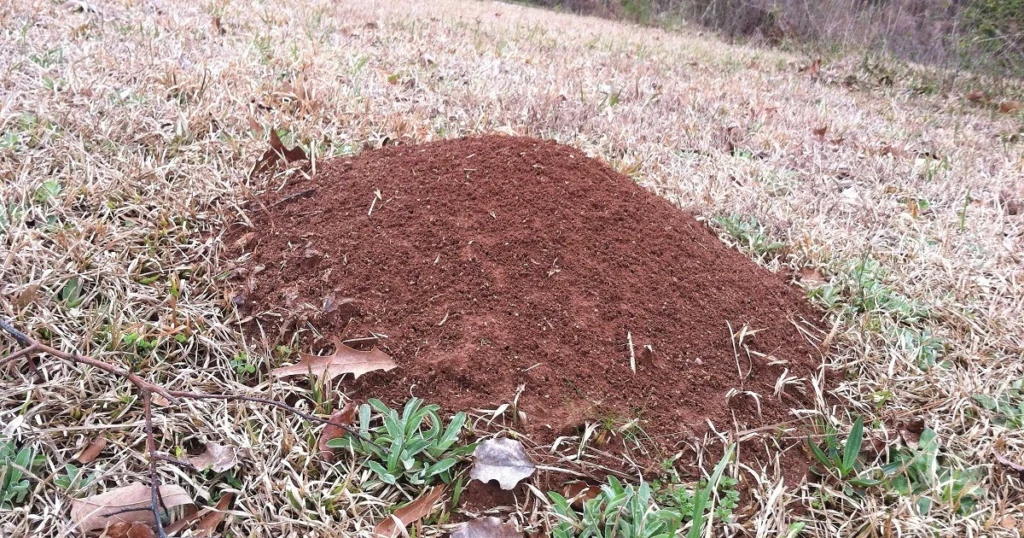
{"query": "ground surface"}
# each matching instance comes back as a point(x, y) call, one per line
point(508, 270)
point(127, 131)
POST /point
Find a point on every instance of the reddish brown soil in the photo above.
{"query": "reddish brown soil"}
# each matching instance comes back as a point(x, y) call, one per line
point(496, 264)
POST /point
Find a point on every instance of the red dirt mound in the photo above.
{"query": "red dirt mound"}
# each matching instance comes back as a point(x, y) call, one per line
point(500, 264)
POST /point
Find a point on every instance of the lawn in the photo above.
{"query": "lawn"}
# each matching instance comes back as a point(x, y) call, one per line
point(128, 131)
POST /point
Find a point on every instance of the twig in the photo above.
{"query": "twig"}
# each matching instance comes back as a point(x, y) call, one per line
point(146, 390)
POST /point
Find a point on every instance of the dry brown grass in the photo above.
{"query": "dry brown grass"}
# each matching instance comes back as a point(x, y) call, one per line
point(141, 113)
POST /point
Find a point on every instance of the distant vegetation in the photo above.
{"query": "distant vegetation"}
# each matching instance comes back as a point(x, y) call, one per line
point(984, 35)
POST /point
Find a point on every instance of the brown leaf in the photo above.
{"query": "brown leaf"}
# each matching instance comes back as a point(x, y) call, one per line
point(90, 513)
point(579, 492)
point(216, 26)
point(342, 416)
point(975, 96)
point(344, 360)
point(486, 527)
point(820, 131)
point(209, 522)
point(1006, 107)
point(275, 153)
point(218, 458)
point(129, 530)
point(92, 450)
point(811, 275)
point(1008, 523)
point(27, 296)
point(408, 514)
point(503, 460)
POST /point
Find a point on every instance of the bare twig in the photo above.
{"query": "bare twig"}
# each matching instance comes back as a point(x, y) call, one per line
point(145, 390)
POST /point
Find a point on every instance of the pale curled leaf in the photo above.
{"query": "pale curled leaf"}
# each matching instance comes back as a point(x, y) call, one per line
point(91, 513)
point(344, 360)
point(503, 460)
point(486, 527)
point(408, 514)
point(218, 458)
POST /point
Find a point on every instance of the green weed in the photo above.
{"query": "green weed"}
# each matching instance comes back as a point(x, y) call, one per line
point(1007, 407)
point(750, 234)
point(627, 511)
point(14, 464)
point(420, 449)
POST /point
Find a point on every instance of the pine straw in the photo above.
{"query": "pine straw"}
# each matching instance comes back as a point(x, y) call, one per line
point(141, 112)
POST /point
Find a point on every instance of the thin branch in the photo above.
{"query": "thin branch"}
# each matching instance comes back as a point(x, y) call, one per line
point(154, 477)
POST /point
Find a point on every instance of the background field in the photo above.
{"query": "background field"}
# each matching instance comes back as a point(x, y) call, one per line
point(127, 132)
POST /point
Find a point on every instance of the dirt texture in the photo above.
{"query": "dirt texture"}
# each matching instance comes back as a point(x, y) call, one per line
point(500, 265)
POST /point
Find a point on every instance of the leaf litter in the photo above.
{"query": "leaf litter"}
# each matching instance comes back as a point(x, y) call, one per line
point(397, 522)
point(344, 416)
point(486, 527)
point(96, 512)
point(503, 460)
point(217, 458)
point(344, 360)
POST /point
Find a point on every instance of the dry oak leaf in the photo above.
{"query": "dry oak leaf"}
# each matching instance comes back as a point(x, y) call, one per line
point(129, 530)
point(342, 416)
point(408, 514)
point(92, 450)
point(579, 492)
point(209, 522)
point(486, 527)
point(91, 513)
point(218, 458)
point(275, 153)
point(344, 360)
point(975, 96)
point(503, 460)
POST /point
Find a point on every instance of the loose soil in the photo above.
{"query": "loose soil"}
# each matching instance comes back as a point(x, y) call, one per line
point(500, 265)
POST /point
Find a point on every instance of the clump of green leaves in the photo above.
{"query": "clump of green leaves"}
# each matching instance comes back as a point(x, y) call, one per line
point(1007, 407)
point(420, 448)
point(840, 460)
point(242, 364)
point(74, 478)
point(627, 511)
point(924, 474)
point(750, 234)
point(14, 483)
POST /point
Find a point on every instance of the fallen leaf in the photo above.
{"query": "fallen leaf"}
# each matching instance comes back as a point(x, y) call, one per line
point(217, 26)
point(92, 450)
point(27, 296)
point(820, 132)
point(275, 153)
point(1008, 522)
point(501, 459)
point(811, 275)
point(209, 522)
point(408, 514)
point(91, 513)
point(342, 416)
point(975, 96)
point(344, 360)
point(579, 492)
point(1007, 107)
point(486, 527)
point(129, 530)
point(217, 458)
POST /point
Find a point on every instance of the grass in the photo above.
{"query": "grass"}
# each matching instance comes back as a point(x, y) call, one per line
point(127, 133)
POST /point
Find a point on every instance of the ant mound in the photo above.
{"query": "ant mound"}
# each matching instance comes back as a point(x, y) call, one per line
point(496, 270)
